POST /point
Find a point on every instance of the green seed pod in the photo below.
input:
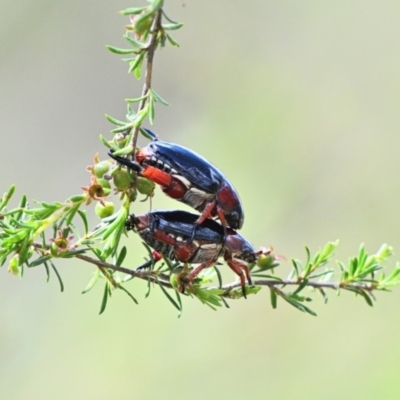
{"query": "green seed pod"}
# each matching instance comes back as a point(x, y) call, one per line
point(104, 211)
point(145, 186)
point(265, 261)
point(106, 186)
point(54, 249)
point(101, 168)
point(122, 179)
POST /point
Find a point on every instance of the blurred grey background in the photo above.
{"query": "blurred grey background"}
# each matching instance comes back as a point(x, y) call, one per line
point(297, 102)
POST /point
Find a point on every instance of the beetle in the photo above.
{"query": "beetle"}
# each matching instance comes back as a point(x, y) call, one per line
point(188, 177)
point(168, 232)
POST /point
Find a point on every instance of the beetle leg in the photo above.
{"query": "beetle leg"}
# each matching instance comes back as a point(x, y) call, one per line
point(238, 267)
point(221, 217)
point(206, 213)
point(189, 278)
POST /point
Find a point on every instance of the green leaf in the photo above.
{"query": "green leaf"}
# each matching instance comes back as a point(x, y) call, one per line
point(7, 196)
point(273, 297)
point(326, 253)
point(58, 276)
point(137, 68)
point(46, 267)
point(384, 253)
point(147, 294)
point(124, 128)
point(39, 261)
point(22, 205)
point(76, 198)
point(121, 256)
point(128, 293)
point(132, 10)
point(137, 61)
point(172, 41)
point(298, 305)
point(137, 99)
point(366, 297)
point(82, 214)
point(151, 111)
point(168, 296)
point(142, 114)
point(158, 98)
point(325, 297)
point(302, 285)
point(172, 27)
point(226, 304)
point(297, 267)
point(115, 121)
point(179, 300)
point(92, 282)
point(105, 298)
point(104, 141)
point(71, 214)
point(168, 18)
point(219, 276)
point(135, 43)
point(117, 50)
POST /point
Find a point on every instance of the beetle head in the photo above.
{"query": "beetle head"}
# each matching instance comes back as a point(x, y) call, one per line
point(137, 223)
point(239, 247)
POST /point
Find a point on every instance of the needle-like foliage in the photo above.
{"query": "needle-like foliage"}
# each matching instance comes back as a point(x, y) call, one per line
point(36, 234)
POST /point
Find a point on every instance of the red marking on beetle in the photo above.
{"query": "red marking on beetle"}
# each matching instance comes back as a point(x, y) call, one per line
point(176, 189)
point(157, 176)
point(163, 237)
point(227, 198)
point(142, 154)
point(184, 252)
point(156, 256)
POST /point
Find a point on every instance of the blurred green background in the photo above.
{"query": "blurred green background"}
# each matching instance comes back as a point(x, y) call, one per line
point(298, 103)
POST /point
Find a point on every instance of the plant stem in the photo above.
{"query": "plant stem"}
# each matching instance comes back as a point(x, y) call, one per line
point(149, 275)
point(316, 285)
point(155, 29)
point(146, 275)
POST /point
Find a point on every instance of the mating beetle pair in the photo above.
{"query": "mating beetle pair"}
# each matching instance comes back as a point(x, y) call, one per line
point(187, 177)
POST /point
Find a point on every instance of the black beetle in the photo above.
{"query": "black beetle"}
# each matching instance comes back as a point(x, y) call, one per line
point(168, 232)
point(188, 177)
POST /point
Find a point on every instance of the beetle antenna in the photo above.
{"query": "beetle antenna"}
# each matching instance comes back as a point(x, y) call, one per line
point(124, 161)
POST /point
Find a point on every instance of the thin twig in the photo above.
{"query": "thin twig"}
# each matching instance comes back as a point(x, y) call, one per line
point(316, 285)
point(155, 29)
point(146, 275)
point(152, 276)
